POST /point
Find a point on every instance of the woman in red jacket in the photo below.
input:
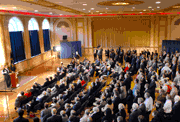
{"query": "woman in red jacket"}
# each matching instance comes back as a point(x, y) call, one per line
point(28, 93)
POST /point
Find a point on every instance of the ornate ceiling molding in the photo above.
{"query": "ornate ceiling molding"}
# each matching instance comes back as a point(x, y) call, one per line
point(120, 3)
point(46, 3)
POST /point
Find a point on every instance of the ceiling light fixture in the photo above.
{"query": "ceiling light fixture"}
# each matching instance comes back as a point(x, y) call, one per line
point(120, 3)
point(84, 9)
point(14, 7)
point(100, 13)
point(140, 12)
point(89, 11)
point(50, 12)
point(144, 10)
point(92, 8)
point(107, 8)
point(35, 10)
point(158, 2)
point(60, 14)
point(149, 6)
point(97, 11)
point(158, 6)
point(133, 7)
point(84, 4)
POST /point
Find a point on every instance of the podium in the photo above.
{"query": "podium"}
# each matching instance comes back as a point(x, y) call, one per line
point(14, 80)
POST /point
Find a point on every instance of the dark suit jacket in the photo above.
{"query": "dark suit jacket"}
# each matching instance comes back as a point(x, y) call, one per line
point(142, 109)
point(20, 119)
point(176, 111)
point(77, 106)
point(96, 117)
point(133, 117)
point(54, 118)
point(116, 102)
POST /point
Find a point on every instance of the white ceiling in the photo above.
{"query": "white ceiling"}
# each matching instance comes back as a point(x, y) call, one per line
point(78, 5)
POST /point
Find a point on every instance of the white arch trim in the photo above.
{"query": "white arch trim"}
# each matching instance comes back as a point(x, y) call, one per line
point(45, 24)
point(15, 24)
point(33, 24)
point(65, 20)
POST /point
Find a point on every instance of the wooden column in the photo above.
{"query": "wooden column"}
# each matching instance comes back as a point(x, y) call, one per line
point(90, 31)
point(169, 28)
point(41, 40)
point(85, 33)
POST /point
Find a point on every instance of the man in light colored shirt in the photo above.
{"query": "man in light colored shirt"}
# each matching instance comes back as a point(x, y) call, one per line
point(168, 104)
point(149, 104)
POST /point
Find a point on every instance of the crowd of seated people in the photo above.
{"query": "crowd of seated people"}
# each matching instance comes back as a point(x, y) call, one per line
point(70, 98)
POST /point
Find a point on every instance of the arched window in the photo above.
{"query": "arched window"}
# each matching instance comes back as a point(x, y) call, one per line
point(34, 37)
point(16, 29)
point(46, 27)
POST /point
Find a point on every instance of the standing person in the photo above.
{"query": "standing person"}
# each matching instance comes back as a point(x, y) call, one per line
point(149, 105)
point(107, 53)
point(7, 78)
point(95, 53)
point(100, 53)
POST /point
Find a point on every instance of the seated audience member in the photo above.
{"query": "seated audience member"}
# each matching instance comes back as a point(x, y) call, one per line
point(77, 104)
point(20, 118)
point(108, 115)
point(19, 99)
point(46, 83)
point(60, 99)
point(45, 111)
point(36, 119)
point(37, 85)
point(54, 117)
point(73, 117)
point(64, 116)
point(55, 104)
point(30, 106)
point(67, 109)
point(48, 92)
point(85, 116)
point(28, 93)
point(42, 97)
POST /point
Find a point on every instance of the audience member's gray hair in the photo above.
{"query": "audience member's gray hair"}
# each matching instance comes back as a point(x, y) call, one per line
point(176, 98)
point(121, 106)
point(96, 109)
point(135, 106)
point(87, 111)
point(73, 112)
point(62, 112)
point(140, 99)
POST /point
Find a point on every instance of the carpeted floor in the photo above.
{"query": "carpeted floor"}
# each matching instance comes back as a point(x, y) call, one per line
point(21, 79)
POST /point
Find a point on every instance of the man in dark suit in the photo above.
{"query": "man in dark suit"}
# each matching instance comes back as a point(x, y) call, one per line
point(174, 66)
point(45, 111)
point(20, 118)
point(112, 55)
point(100, 53)
point(77, 104)
point(107, 53)
point(142, 106)
point(116, 101)
point(96, 116)
point(54, 117)
point(133, 117)
point(46, 83)
point(95, 53)
point(176, 109)
point(137, 63)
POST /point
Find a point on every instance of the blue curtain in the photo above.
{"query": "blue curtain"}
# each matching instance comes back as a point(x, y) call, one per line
point(47, 45)
point(34, 42)
point(17, 46)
